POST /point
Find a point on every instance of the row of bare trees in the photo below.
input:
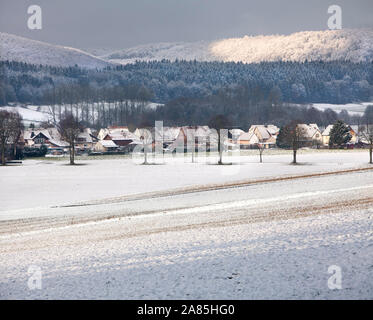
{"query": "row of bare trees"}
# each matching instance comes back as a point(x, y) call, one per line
point(119, 105)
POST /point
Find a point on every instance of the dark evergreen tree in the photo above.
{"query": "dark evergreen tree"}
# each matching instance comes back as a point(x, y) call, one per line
point(339, 134)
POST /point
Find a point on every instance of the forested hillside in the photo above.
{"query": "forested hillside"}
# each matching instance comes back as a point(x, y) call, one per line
point(162, 81)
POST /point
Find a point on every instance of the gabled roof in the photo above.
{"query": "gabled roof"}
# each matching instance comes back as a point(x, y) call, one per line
point(51, 134)
point(170, 134)
point(272, 129)
point(264, 133)
point(326, 132)
point(236, 132)
point(58, 143)
point(120, 136)
point(309, 131)
point(116, 130)
point(248, 136)
point(354, 128)
point(88, 138)
point(108, 143)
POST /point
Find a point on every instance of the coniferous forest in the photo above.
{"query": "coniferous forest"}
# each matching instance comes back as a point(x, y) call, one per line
point(192, 91)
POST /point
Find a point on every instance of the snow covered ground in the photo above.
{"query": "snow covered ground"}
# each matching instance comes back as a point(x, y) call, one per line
point(124, 233)
point(352, 108)
point(43, 183)
point(30, 114)
point(279, 246)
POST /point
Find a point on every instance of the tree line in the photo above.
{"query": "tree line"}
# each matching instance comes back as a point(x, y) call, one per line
point(297, 82)
point(244, 106)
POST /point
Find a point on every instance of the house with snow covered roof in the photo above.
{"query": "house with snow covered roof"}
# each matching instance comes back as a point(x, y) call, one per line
point(326, 135)
point(354, 131)
point(85, 140)
point(248, 140)
point(120, 138)
point(112, 130)
point(311, 134)
point(105, 146)
point(259, 134)
point(50, 137)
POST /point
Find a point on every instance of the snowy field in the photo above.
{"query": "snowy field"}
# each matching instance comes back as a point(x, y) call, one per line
point(352, 108)
point(272, 240)
point(43, 183)
point(357, 109)
point(279, 248)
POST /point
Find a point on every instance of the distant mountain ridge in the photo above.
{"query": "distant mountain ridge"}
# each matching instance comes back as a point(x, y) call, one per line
point(355, 45)
point(21, 49)
point(351, 44)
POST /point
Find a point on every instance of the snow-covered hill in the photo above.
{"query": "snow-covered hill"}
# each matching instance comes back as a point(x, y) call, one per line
point(36, 52)
point(350, 44)
point(354, 44)
point(199, 51)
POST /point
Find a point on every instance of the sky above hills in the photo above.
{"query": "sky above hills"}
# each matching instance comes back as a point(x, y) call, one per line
point(120, 24)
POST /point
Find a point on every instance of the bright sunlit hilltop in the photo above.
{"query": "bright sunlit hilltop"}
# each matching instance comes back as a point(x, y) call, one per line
point(351, 44)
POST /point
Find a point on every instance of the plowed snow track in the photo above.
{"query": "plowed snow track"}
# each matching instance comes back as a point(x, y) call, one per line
point(290, 206)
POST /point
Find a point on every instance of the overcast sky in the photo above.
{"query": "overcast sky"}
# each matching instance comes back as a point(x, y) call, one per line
point(126, 23)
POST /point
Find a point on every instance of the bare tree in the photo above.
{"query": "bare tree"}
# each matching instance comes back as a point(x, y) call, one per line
point(69, 128)
point(219, 123)
point(10, 130)
point(145, 146)
point(292, 136)
point(261, 148)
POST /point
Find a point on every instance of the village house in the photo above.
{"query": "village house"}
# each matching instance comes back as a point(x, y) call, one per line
point(176, 137)
point(354, 131)
point(259, 135)
point(122, 139)
point(234, 134)
point(169, 136)
point(248, 140)
point(143, 134)
point(326, 135)
point(49, 137)
point(85, 140)
point(112, 130)
point(310, 135)
point(204, 137)
point(115, 139)
point(105, 146)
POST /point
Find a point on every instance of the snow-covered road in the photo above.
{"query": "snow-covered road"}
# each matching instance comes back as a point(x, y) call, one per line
point(266, 240)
